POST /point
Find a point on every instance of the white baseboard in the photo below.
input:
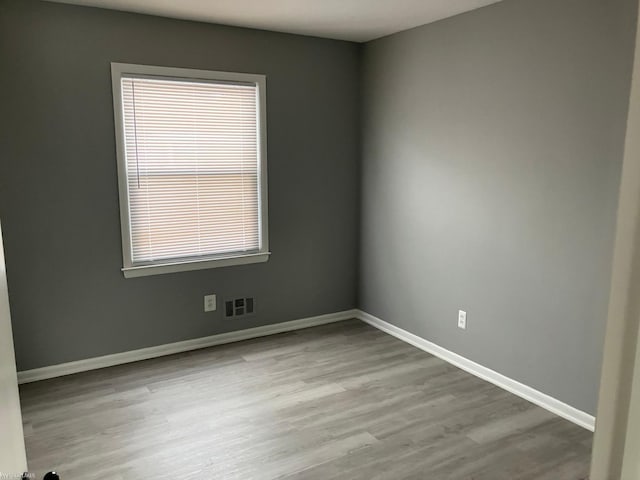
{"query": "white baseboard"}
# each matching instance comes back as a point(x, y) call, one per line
point(534, 396)
point(543, 400)
point(178, 347)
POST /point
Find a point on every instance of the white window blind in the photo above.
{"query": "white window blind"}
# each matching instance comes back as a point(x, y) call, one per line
point(192, 150)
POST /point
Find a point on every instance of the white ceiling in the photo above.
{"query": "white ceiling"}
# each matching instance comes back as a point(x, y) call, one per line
point(356, 20)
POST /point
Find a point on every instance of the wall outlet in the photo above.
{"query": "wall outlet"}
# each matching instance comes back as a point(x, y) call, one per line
point(210, 303)
point(462, 319)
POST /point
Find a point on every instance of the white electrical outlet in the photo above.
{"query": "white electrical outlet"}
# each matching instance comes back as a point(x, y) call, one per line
point(462, 319)
point(209, 303)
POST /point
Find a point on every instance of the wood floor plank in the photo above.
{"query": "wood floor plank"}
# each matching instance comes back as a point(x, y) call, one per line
point(341, 401)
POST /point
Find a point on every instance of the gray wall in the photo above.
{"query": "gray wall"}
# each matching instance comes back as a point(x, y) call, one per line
point(58, 184)
point(492, 154)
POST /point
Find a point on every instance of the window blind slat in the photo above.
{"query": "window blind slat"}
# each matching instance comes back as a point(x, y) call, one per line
point(192, 167)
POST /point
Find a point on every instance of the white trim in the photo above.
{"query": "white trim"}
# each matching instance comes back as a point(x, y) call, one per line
point(222, 261)
point(130, 268)
point(95, 363)
point(543, 400)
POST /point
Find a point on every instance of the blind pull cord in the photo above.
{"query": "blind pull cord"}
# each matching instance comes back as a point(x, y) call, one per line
point(135, 131)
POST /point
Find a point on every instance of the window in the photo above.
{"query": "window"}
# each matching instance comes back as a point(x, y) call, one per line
point(192, 168)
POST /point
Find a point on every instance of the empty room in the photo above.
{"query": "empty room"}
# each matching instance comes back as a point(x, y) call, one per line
point(295, 239)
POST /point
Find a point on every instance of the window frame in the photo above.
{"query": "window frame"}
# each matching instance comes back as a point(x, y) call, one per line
point(137, 269)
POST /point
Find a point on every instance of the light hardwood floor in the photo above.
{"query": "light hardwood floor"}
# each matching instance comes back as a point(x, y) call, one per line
point(341, 401)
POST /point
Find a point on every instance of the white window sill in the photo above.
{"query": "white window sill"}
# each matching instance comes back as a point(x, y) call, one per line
point(199, 264)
